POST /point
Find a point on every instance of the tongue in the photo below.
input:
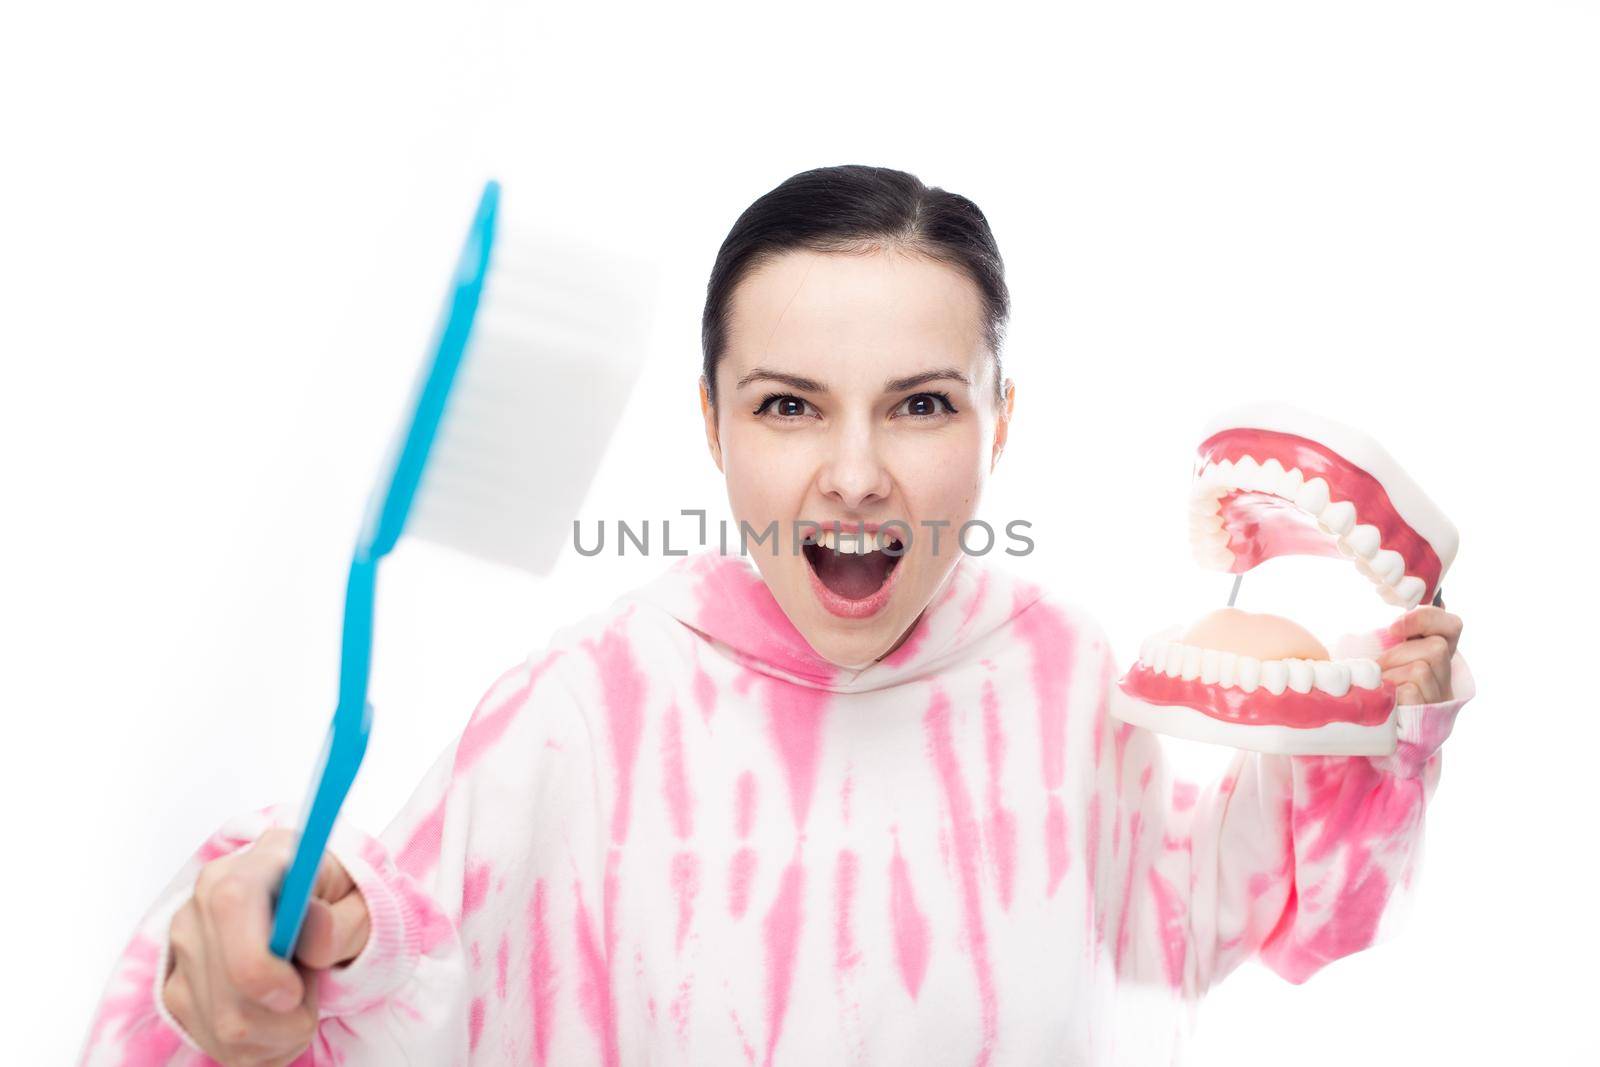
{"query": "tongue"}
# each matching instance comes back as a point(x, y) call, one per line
point(852, 576)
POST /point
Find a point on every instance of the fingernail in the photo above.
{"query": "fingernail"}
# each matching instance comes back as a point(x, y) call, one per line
point(280, 1000)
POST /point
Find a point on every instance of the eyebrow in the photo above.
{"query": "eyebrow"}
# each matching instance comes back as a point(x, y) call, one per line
point(811, 385)
point(794, 381)
point(945, 374)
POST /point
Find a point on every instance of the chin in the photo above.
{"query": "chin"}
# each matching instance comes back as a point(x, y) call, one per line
point(850, 651)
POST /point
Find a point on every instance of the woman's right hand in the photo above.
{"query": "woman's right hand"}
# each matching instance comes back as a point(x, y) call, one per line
point(235, 999)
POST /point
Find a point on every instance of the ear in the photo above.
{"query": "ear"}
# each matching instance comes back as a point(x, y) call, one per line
point(708, 412)
point(1002, 423)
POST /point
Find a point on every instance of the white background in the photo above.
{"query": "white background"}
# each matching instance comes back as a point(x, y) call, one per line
point(225, 229)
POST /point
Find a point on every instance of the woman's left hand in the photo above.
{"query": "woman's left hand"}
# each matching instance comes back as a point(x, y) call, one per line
point(1419, 664)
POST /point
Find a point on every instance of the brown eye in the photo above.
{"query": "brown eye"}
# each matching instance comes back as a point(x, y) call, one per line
point(783, 407)
point(926, 406)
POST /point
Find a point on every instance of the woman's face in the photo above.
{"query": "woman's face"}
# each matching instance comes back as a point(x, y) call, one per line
point(855, 389)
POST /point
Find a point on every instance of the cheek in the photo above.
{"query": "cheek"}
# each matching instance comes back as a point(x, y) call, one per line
point(765, 479)
point(943, 476)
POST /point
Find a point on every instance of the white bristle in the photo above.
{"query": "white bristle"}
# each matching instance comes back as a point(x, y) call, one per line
point(556, 347)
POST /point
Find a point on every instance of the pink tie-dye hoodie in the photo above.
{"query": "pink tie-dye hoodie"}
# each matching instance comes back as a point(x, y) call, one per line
point(678, 836)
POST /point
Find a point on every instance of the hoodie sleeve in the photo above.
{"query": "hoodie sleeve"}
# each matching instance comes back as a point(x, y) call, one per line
point(1292, 860)
point(507, 811)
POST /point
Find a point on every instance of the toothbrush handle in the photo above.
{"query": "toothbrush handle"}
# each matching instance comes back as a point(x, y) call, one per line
point(341, 755)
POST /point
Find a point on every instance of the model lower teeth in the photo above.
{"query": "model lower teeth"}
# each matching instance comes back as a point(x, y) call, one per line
point(1235, 649)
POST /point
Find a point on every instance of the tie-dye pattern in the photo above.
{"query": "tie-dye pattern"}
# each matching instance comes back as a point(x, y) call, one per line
point(678, 835)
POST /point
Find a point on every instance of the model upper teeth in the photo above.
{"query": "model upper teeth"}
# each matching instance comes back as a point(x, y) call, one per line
point(849, 543)
point(1360, 542)
point(1234, 671)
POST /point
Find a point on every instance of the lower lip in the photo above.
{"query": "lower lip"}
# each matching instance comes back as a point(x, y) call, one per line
point(846, 608)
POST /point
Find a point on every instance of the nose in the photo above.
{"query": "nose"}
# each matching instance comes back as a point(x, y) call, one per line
point(853, 473)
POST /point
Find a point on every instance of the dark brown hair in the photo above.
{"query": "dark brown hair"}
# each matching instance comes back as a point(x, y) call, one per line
point(855, 209)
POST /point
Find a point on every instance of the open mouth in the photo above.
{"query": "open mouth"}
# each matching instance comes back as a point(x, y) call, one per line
point(852, 571)
point(1276, 481)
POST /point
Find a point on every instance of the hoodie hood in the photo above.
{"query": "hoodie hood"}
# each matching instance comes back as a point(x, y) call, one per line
point(725, 599)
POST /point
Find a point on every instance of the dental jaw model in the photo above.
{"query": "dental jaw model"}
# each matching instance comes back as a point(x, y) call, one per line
point(1271, 480)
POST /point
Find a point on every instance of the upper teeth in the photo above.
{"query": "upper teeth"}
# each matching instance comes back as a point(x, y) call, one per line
point(1359, 541)
point(849, 543)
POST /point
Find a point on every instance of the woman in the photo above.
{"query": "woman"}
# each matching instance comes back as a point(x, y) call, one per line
point(849, 802)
